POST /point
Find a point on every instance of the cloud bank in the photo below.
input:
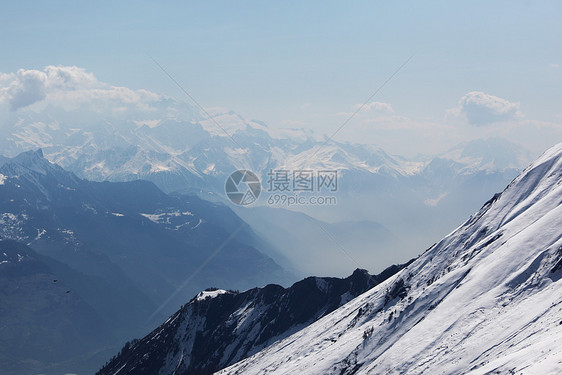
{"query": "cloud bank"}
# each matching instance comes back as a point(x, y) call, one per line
point(375, 106)
point(72, 87)
point(483, 109)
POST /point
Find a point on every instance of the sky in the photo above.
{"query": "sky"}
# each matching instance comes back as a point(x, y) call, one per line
point(475, 69)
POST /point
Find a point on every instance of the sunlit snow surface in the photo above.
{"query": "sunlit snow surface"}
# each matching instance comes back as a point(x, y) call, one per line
point(210, 294)
point(486, 299)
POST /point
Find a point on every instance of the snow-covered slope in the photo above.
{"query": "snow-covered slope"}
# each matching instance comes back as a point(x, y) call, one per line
point(485, 299)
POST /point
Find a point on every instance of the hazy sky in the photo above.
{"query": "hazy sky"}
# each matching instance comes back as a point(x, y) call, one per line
point(479, 68)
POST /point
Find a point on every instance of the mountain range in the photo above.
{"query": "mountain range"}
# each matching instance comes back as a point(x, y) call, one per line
point(486, 299)
point(133, 229)
point(425, 196)
point(131, 220)
point(128, 254)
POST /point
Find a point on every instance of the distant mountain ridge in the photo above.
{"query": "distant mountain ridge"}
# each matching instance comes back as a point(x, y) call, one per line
point(427, 195)
point(179, 155)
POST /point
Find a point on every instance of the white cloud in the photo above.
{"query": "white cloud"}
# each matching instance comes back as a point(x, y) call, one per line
point(69, 77)
point(483, 109)
point(72, 87)
point(27, 88)
point(554, 65)
point(369, 109)
point(6, 76)
point(375, 106)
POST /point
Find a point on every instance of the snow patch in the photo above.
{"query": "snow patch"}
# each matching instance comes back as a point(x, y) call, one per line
point(210, 294)
point(164, 217)
point(40, 233)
